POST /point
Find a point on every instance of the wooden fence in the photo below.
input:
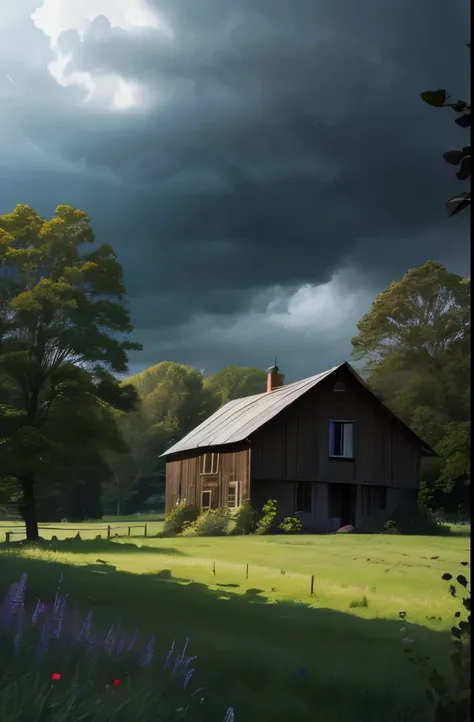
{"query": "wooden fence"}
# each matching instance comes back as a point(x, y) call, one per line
point(109, 529)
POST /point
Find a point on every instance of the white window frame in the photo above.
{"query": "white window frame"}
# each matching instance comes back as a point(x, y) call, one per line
point(203, 507)
point(214, 464)
point(238, 493)
point(348, 452)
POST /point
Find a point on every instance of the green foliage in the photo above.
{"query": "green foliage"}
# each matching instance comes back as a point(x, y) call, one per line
point(214, 522)
point(390, 527)
point(266, 523)
point(415, 341)
point(243, 520)
point(291, 525)
point(176, 519)
point(415, 519)
point(451, 705)
point(235, 382)
point(455, 450)
point(64, 334)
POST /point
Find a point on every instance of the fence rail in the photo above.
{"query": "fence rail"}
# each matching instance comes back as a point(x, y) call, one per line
point(109, 529)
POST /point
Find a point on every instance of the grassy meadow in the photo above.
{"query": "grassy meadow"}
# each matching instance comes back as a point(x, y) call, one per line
point(265, 645)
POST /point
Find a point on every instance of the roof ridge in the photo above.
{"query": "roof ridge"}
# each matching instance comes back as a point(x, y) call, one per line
point(238, 418)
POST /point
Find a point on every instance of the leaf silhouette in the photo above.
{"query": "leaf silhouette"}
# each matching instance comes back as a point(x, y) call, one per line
point(464, 121)
point(436, 98)
point(464, 169)
point(458, 203)
point(453, 157)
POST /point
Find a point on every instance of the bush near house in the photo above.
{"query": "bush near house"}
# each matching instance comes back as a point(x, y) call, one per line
point(178, 517)
point(214, 522)
point(291, 525)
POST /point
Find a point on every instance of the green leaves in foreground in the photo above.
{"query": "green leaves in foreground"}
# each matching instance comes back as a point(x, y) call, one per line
point(438, 99)
point(452, 704)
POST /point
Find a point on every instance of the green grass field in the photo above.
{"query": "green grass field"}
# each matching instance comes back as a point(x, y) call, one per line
point(265, 644)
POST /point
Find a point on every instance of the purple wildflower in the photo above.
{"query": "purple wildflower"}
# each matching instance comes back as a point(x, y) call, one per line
point(60, 608)
point(44, 639)
point(184, 648)
point(132, 643)
point(18, 601)
point(85, 629)
point(35, 615)
point(57, 596)
point(169, 655)
point(110, 639)
point(187, 678)
point(18, 632)
point(148, 654)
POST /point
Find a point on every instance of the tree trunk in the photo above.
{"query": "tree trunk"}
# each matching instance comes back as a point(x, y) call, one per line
point(28, 507)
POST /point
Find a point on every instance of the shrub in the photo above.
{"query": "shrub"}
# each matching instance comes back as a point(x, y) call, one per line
point(390, 527)
point(416, 518)
point(267, 521)
point(214, 522)
point(291, 525)
point(243, 520)
point(177, 518)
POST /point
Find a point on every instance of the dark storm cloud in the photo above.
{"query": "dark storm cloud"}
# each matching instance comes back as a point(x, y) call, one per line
point(280, 140)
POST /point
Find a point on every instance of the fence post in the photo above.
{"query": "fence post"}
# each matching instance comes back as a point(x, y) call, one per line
point(128, 531)
point(312, 584)
point(247, 572)
point(214, 569)
point(108, 532)
point(145, 530)
point(7, 537)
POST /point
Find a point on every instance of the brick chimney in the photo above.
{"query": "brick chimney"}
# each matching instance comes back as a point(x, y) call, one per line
point(274, 378)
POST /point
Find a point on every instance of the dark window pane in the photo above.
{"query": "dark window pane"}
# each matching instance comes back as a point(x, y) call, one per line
point(337, 439)
point(303, 497)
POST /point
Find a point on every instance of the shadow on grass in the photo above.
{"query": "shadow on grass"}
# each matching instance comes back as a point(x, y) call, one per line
point(271, 660)
point(92, 546)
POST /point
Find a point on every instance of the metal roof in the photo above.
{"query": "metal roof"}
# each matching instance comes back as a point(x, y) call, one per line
point(239, 418)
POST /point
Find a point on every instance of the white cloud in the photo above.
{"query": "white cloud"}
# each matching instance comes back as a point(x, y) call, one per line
point(57, 16)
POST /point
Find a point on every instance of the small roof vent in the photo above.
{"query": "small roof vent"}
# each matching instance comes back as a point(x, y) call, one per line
point(339, 386)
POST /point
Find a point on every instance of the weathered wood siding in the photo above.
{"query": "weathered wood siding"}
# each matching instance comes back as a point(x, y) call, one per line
point(185, 481)
point(295, 445)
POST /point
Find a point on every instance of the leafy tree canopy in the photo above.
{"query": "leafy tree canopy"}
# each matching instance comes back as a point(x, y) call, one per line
point(234, 382)
point(64, 331)
point(415, 342)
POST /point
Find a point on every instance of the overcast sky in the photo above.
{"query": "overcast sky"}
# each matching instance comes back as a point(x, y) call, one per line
point(263, 167)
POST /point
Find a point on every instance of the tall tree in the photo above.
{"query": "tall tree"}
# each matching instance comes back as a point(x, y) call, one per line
point(64, 331)
point(415, 342)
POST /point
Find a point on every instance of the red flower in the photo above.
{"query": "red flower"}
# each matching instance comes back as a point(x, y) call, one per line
point(116, 683)
point(55, 676)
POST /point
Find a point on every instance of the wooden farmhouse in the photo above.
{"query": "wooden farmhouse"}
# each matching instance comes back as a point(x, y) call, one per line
point(325, 448)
